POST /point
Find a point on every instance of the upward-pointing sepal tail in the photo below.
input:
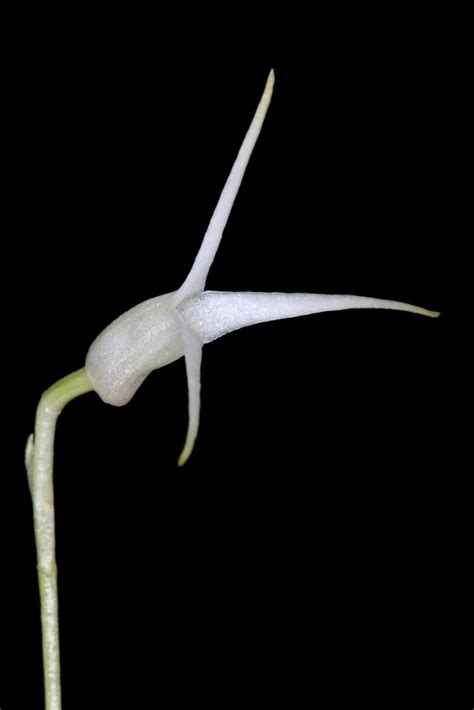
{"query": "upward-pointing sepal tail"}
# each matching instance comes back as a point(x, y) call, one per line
point(196, 279)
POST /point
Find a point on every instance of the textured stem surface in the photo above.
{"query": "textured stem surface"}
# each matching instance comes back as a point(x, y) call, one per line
point(39, 462)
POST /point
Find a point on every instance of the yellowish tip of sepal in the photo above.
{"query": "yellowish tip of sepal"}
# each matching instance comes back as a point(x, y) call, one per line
point(185, 454)
point(267, 93)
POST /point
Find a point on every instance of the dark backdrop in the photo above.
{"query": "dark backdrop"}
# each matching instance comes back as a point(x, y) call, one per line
point(306, 538)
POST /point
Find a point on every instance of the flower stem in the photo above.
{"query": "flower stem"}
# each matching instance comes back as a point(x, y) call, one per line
point(39, 464)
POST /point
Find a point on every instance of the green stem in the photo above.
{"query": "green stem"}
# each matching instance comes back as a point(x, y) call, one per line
point(39, 464)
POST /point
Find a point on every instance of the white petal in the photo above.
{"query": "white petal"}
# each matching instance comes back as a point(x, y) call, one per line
point(196, 279)
point(215, 313)
point(193, 357)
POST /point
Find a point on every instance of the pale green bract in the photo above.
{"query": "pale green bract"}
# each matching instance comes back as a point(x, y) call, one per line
point(163, 329)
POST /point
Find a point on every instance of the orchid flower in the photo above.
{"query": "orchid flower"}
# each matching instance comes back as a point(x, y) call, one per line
point(163, 329)
point(149, 336)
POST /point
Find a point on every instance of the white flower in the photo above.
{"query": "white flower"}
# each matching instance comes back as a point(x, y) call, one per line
point(165, 328)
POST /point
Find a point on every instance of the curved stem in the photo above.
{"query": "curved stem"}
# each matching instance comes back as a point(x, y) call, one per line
point(39, 464)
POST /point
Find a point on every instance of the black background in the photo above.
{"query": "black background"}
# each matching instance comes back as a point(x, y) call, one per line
point(309, 539)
